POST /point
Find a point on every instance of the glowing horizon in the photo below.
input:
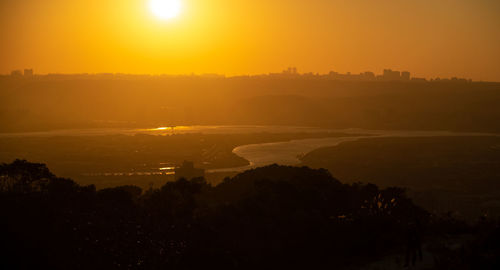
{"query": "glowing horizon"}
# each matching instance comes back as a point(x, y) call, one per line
point(428, 38)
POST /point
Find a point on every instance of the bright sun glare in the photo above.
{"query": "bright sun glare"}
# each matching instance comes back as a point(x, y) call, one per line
point(165, 9)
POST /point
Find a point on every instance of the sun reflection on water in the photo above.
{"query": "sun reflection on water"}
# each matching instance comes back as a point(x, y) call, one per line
point(173, 128)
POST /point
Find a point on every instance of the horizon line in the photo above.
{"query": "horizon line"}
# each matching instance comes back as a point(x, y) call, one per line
point(290, 72)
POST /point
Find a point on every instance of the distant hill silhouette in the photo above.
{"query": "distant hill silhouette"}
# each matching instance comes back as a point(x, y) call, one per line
point(100, 101)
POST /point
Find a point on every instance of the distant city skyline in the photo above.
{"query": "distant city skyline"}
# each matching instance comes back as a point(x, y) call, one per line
point(386, 75)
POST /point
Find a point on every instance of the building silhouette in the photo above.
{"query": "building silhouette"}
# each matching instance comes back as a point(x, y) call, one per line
point(405, 76)
point(188, 171)
point(290, 71)
point(16, 73)
point(390, 75)
point(28, 72)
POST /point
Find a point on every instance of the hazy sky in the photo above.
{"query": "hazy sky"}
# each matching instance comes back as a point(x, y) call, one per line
point(427, 37)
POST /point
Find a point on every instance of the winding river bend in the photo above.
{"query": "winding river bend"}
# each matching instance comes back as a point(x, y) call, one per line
point(262, 154)
point(288, 153)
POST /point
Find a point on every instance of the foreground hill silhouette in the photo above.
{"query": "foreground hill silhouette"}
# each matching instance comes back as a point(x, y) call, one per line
point(274, 216)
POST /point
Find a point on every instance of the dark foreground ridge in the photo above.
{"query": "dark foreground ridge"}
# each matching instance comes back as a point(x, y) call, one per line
point(275, 216)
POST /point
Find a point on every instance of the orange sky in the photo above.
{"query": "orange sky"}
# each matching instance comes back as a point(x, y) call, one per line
point(427, 37)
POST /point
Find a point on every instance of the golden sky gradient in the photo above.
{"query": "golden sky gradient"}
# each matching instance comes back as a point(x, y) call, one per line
point(430, 38)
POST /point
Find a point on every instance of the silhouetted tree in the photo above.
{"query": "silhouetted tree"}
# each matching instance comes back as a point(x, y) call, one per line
point(275, 216)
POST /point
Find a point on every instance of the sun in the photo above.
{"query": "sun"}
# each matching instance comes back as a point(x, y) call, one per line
point(165, 9)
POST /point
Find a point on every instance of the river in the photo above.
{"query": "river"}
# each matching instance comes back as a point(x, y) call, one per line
point(288, 153)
